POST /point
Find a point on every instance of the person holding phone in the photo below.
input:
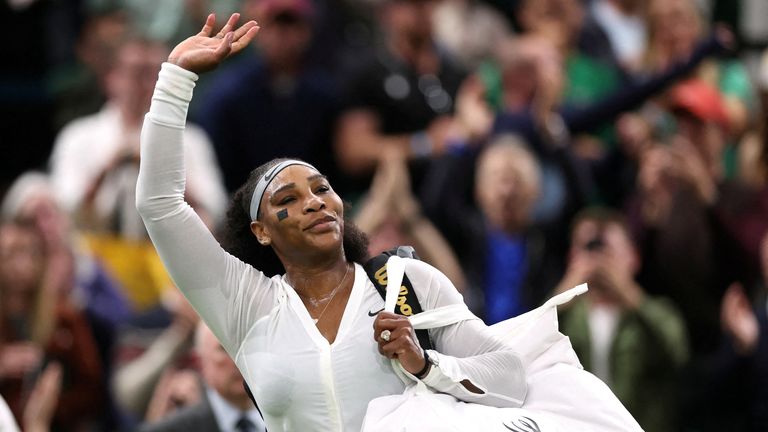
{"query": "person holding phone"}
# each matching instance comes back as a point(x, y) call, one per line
point(636, 343)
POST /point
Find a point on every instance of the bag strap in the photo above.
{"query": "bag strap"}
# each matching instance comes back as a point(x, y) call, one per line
point(407, 303)
point(441, 317)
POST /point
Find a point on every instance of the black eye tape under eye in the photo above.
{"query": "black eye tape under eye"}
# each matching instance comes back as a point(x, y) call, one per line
point(282, 214)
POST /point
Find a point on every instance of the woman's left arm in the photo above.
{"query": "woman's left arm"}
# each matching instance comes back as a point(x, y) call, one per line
point(468, 362)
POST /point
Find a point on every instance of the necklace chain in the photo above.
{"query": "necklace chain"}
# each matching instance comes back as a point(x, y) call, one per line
point(330, 298)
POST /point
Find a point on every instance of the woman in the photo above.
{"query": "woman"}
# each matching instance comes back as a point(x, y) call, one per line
point(39, 327)
point(302, 340)
point(674, 28)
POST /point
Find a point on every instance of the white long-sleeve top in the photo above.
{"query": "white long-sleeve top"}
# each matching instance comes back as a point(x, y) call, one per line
point(300, 381)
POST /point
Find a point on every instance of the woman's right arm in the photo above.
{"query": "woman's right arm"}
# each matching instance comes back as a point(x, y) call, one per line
point(227, 293)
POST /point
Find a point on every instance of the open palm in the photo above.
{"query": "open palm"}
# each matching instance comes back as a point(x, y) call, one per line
point(204, 51)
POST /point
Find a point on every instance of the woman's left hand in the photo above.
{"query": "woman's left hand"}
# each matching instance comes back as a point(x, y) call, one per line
point(403, 343)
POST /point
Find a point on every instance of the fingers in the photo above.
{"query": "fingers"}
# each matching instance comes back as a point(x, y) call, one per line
point(388, 321)
point(401, 334)
point(229, 26)
point(225, 46)
point(246, 38)
point(399, 344)
point(243, 29)
point(208, 27)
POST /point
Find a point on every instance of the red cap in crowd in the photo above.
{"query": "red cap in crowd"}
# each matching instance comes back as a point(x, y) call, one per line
point(700, 99)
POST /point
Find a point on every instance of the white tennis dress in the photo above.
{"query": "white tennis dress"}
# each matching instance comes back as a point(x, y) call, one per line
point(301, 382)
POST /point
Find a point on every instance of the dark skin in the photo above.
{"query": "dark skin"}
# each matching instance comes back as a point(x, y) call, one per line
point(308, 240)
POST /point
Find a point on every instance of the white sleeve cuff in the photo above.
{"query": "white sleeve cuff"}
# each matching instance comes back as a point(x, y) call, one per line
point(446, 377)
point(173, 92)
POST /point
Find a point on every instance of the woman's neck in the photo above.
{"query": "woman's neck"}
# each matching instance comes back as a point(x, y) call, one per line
point(317, 281)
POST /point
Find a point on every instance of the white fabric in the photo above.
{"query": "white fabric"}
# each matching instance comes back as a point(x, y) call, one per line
point(562, 396)
point(86, 146)
point(227, 414)
point(7, 422)
point(627, 33)
point(300, 381)
point(395, 272)
point(29, 185)
point(603, 321)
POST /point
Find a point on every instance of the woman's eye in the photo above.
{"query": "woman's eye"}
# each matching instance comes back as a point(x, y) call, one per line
point(286, 200)
point(323, 189)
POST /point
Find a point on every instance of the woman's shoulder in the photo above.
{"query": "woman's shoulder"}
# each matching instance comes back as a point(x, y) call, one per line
point(430, 284)
point(417, 266)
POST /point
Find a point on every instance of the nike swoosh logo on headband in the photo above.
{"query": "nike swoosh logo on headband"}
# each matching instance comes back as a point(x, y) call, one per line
point(270, 173)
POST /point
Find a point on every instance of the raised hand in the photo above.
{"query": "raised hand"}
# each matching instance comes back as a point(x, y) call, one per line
point(203, 52)
point(43, 400)
point(738, 319)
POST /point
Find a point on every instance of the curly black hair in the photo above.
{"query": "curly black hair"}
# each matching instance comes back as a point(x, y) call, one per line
point(238, 240)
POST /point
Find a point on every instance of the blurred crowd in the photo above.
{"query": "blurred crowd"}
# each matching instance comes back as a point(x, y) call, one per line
point(521, 146)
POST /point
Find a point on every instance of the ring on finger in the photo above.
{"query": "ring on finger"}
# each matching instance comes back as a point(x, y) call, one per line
point(385, 335)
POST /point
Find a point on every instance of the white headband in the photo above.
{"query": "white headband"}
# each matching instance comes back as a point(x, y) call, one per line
point(264, 181)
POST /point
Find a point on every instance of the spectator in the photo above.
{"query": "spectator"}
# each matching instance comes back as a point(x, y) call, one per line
point(94, 167)
point(92, 291)
point(590, 69)
point(271, 102)
point(743, 372)
point(623, 21)
point(43, 399)
point(31, 198)
point(674, 27)
point(391, 216)
point(226, 405)
point(737, 379)
point(138, 377)
point(402, 98)
point(469, 29)
point(179, 387)
point(746, 212)
point(634, 342)
point(39, 326)
point(509, 260)
point(687, 253)
point(40, 406)
point(80, 85)
point(524, 86)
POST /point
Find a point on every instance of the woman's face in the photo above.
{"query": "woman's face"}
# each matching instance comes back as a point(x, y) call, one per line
point(410, 18)
point(675, 26)
point(507, 185)
point(300, 214)
point(21, 258)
